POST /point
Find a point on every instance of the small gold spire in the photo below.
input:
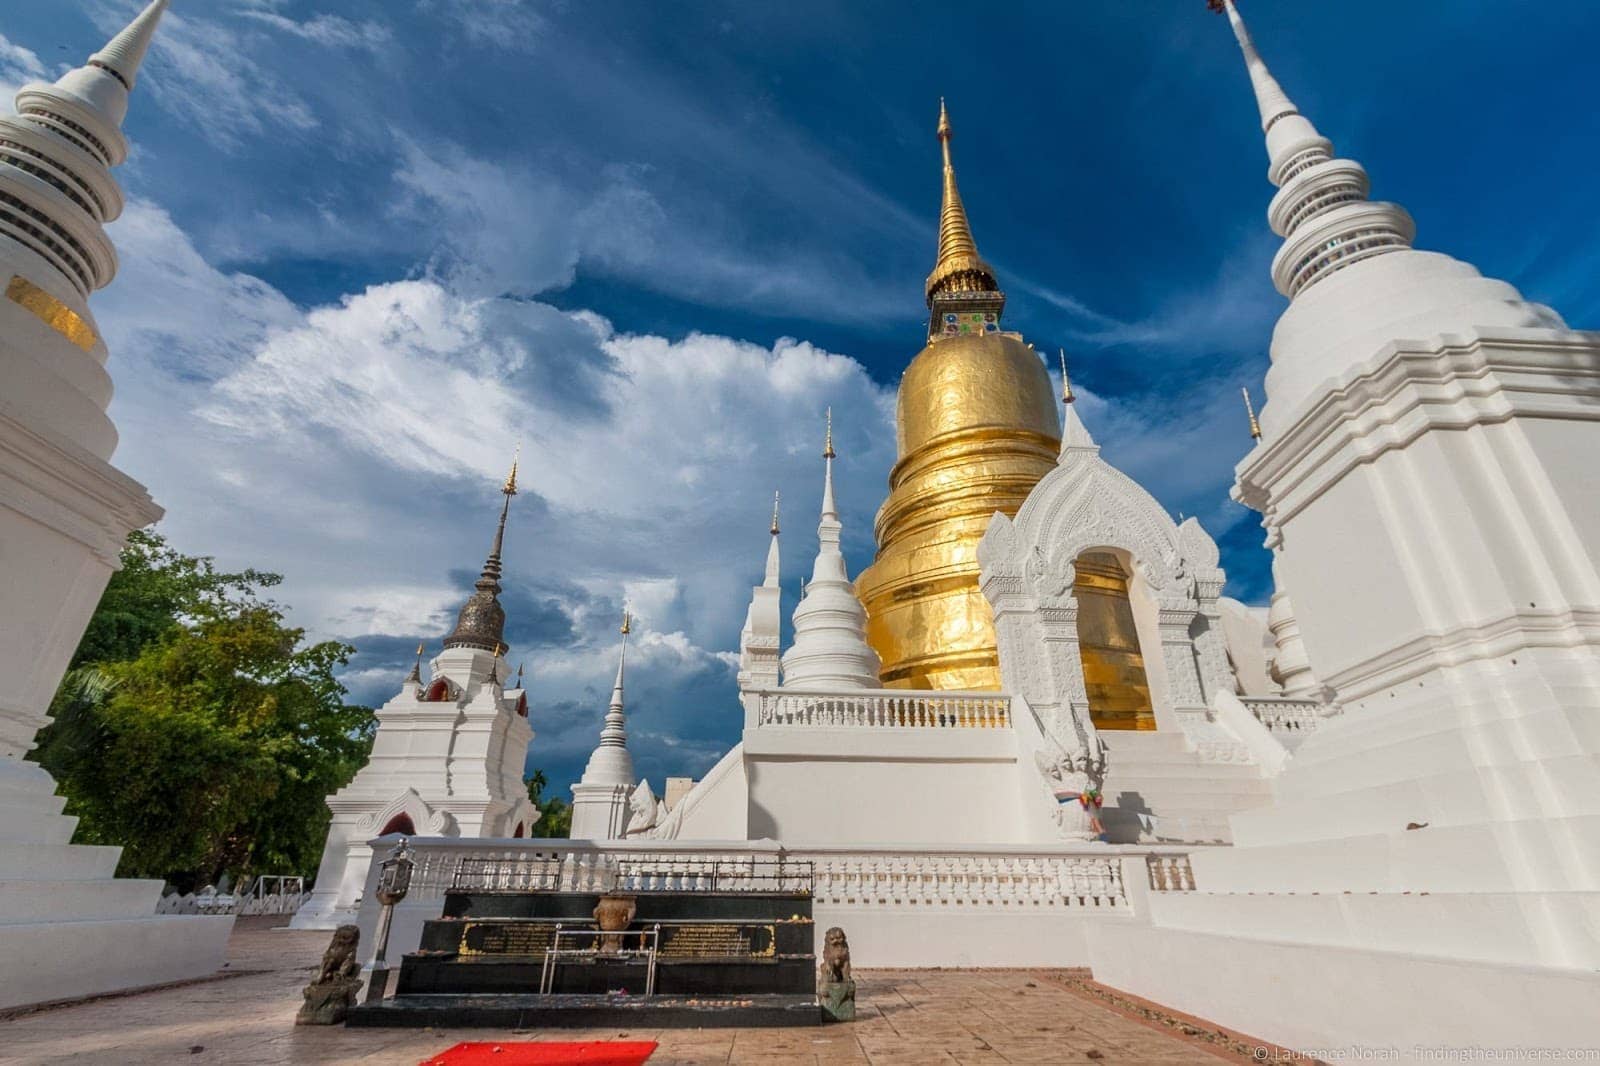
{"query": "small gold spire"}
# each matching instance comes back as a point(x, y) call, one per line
point(827, 446)
point(957, 265)
point(1066, 384)
point(519, 675)
point(1249, 410)
point(510, 487)
point(627, 622)
point(775, 497)
point(419, 649)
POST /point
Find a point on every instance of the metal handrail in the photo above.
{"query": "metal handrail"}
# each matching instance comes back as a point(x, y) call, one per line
point(554, 953)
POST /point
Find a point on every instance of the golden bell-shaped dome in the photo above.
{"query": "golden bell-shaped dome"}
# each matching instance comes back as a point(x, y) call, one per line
point(977, 429)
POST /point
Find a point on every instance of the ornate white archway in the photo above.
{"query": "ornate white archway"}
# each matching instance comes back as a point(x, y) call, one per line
point(1028, 571)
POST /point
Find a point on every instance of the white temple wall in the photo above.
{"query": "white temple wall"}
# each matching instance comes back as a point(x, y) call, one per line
point(718, 806)
point(1342, 1003)
point(858, 786)
point(1147, 623)
point(1244, 629)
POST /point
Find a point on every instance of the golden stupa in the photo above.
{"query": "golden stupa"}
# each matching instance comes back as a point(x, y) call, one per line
point(977, 428)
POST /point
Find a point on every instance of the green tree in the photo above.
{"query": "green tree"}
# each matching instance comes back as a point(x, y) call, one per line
point(196, 729)
point(555, 813)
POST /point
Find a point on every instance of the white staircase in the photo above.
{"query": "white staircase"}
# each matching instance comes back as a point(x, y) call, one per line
point(1158, 788)
point(68, 927)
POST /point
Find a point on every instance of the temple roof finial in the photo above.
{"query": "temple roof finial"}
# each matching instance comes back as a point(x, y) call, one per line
point(1250, 412)
point(775, 497)
point(482, 620)
point(124, 53)
point(957, 268)
point(1066, 383)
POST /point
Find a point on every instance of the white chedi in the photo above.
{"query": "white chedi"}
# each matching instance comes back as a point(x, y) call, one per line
point(600, 798)
point(830, 649)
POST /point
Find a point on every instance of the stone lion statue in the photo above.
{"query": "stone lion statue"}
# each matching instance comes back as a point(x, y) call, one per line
point(836, 989)
point(330, 997)
point(835, 966)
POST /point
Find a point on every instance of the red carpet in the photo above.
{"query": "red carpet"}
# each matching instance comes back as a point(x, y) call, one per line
point(589, 1053)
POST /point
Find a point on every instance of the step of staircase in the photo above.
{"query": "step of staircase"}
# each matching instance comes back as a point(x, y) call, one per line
point(63, 862)
point(28, 826)
point(28, 901)
point(1157, 787)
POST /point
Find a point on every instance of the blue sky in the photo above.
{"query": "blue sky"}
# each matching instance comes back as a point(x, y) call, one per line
point(373, 244)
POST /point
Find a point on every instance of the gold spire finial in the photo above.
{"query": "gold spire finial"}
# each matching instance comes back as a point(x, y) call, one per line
point(827, 445)
point(1066, 384)
point(627, 622)
point(419, 649)
point(957, 267)
point(775, 497)
point(1249, 410)
point(510, 487)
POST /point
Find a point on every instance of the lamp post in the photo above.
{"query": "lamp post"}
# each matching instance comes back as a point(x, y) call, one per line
point(394, 881)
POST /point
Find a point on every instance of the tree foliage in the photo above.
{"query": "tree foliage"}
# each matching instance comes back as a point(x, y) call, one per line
point(196, 729)
point(555, 813)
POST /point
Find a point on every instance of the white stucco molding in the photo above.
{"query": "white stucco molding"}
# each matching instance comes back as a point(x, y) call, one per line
point(424, 817)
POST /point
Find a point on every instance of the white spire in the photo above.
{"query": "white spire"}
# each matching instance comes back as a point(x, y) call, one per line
point(770, 580)
point(610, 764)
point(1075, 436)
point(763, 622)
point(1270, 97)
point(125, 52)
point(95, 95)
point(61, 144)
point(830, 647)
point(1321, 209)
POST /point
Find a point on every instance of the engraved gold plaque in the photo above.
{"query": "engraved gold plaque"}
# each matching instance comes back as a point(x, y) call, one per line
point(51, 311)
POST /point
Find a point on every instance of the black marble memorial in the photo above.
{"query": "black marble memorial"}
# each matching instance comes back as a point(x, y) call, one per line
point(724, 958)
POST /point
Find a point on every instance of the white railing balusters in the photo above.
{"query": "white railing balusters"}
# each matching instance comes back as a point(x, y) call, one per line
point(884, 709)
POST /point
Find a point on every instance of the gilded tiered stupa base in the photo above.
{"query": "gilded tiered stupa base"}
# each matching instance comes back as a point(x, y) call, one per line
point(978, 429)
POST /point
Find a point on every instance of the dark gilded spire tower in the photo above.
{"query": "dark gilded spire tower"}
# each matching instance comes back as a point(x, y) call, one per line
point(977, 428)
point(482, 621)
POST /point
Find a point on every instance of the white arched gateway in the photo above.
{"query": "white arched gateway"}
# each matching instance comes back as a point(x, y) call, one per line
point(1108, 625)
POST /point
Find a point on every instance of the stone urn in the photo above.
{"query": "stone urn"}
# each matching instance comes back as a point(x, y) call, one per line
point(613, 914)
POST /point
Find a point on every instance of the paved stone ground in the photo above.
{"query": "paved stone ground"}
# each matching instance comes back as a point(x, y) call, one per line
point(904, 1017)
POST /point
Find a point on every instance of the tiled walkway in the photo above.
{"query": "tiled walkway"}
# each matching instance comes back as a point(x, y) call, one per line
point(910, 1017)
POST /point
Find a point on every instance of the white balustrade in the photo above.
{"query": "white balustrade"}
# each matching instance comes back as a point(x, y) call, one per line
point(1169, 872)
point(996, 878)
point(1282, 715)
point(884, 709)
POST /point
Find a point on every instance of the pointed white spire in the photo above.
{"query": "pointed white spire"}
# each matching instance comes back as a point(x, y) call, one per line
point(830, 647)
point(610, 764)
point(770, 580)
point(96, 94)
point(1075, 436)
point(1270, 97)
point(1321, 209)
point(829, 508)
point(125, 52)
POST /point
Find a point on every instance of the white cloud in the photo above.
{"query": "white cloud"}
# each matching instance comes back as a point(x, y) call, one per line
point(330, 30)
point(355, 448)
point(18, 66)
point(202, 73)
point(512, 25)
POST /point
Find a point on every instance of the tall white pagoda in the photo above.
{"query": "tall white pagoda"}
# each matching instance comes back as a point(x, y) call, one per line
point(67, 927)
